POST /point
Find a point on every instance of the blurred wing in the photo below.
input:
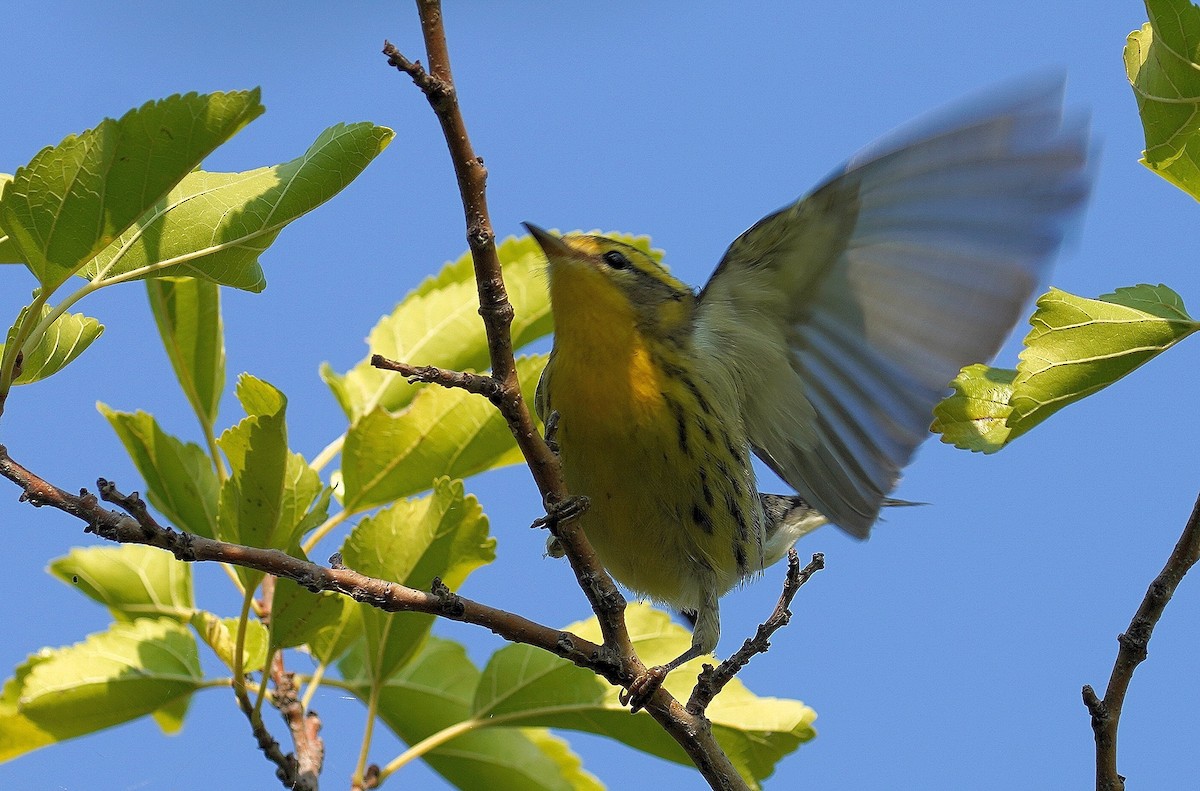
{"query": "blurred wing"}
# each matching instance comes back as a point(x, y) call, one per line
point(842, 318)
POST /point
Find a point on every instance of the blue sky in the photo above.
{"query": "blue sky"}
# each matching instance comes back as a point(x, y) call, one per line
point(947, 651)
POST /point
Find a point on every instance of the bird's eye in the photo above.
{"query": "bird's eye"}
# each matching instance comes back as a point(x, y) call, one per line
point(616, 260)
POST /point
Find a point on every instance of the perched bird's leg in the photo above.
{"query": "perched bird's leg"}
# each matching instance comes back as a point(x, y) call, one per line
point(704, 639)
point(565, 510)
point(551, 434)
point(642, 688)
point(557, 513)
point(562, 511)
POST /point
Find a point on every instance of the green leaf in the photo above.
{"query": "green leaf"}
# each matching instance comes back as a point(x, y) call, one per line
point(522, 685)
point(975, 417)
point(8, 248)
point(438, 323)
point(75, 198)
point(333, 640)
point(170, 717)
point(179, 477)
point(1161, 63)
point(126, 672)
point(443, 535)
point(187, 311)
point(1078, 346)
point(63, 341)
point(299, 615)
point(433, 693)
point(445, 431)
point(271, 496)
point(132, 580)
point(220, 634)
point(250, 501)
point(215, 225)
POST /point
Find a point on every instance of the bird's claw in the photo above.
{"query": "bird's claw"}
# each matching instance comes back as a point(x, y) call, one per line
point(642, 688)
point(562, 511)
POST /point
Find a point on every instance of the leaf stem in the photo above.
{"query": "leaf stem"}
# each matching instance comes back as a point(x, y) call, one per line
point(314, 683)
point(427, 744)
point(239, 646)
point(368, 733)
point(322, 531)
point(262, 687)
point(327, 453)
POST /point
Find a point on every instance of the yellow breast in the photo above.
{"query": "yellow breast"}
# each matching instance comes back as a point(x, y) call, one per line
point(673, 500)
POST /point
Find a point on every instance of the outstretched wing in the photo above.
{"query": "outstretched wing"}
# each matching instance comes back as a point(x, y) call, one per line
point(842, 318)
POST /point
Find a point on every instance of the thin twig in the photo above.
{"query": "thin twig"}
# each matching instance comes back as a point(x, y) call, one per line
point(478, 384)
point(1106, 713)
point(713, 680)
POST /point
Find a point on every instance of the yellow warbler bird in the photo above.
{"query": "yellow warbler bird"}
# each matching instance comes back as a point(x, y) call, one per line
point(821, 343)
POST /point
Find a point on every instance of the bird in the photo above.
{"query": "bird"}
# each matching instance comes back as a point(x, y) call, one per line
point(820, 344)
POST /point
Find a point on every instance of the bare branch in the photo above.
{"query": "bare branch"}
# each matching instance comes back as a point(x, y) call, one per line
point(388, 596)
point(713, 680)
point(478, 384)
point(1106, 712)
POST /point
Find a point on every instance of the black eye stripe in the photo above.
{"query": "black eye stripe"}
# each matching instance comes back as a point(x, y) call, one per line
point(616, 259)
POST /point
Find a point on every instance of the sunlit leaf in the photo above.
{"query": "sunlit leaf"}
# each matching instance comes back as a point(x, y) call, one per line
point(220, 634)
point(187, 311)
point(442, 535)
point(179, 477)
point(522, 685)
point(433, 693)
point(129, 671)
point(63, 341)
point(1162, 61)
point(438, 323)
point(215, 225)
point(444, 431)
point(975, 417)
point(75, 198)
point(333, 640)
point(8, 248)
point(1078, 346)
point(271, 496)
point(132, 580)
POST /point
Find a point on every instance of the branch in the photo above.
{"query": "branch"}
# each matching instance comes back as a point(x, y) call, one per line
point(1106, 713)
point(692, 732)
point(438, 86)
point(478, 384)
point(712, 681)
point(305, 727)
point(138, 527)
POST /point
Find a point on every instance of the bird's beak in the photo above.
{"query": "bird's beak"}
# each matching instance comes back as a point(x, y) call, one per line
point(552, 246)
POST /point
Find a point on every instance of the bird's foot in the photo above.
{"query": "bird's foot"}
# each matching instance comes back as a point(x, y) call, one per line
point(642, 688)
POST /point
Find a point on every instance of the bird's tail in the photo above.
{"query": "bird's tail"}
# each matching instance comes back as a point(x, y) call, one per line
point(789, 518)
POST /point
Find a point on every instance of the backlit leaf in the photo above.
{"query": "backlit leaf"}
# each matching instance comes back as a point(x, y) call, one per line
point(215, 225)
point(1162, 61)
point(180, 479)
point(187, 311)
point(75, 198)
point(443, 535)
point(64, 340)
point(445, 431)
point(132, 580)
point(128, 671)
